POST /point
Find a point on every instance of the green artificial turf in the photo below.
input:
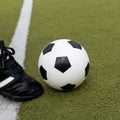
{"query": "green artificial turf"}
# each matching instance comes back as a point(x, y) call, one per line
point(93, 23)
point(96, 25)
point(9, 13)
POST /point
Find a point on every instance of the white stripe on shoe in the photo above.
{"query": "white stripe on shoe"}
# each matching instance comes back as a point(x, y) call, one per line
point(6, 81)
point(9, 109)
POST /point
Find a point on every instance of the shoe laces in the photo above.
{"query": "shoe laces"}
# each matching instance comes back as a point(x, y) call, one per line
point(9, 51)
point(6, 53)
point(9, 63)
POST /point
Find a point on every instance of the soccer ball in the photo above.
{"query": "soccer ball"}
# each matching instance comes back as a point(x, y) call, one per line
point(63, 64)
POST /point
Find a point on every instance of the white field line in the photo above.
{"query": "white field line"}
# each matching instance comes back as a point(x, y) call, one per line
point(9, 109)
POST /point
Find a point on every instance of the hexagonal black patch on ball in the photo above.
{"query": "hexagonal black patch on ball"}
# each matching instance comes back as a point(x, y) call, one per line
point(75, 44)
point(43, 72)
point(87, 69)
point(62, 64)
point(48, 48)
point(68, 87)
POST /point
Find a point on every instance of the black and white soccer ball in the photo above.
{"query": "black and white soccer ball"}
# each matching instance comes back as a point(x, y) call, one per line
point(63, 64)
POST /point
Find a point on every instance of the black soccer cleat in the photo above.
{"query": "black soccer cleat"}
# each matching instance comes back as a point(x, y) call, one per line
point(15, 83)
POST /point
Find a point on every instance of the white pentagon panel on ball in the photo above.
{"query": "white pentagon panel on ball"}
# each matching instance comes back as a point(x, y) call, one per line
point(63, 64)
